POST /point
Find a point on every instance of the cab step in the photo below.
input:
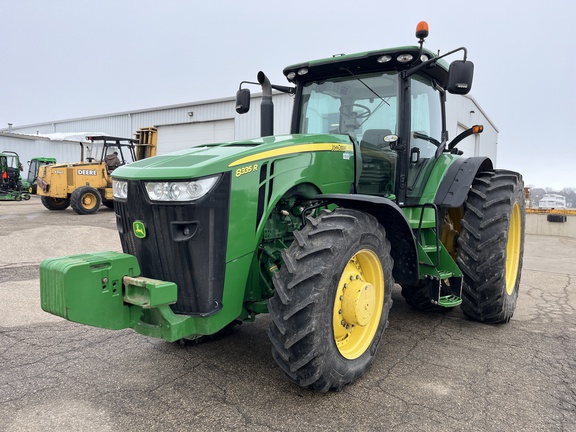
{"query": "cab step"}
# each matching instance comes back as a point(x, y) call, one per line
point(450, 301)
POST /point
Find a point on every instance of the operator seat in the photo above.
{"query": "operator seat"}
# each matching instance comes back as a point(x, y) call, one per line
point(378, 163)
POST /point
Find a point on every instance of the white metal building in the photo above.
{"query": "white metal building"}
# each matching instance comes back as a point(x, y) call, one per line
point(187, 125)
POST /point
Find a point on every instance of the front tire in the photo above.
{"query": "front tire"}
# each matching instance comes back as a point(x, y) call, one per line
point(491, 246)
point(55, 203)
point(85, 200)
point(332, 298)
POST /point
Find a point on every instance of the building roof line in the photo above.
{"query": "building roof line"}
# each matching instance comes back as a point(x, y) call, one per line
point(130, 112)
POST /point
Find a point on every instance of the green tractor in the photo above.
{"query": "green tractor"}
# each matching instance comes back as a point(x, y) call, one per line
point(11, 184)
point(34, 165)
point(314, 227)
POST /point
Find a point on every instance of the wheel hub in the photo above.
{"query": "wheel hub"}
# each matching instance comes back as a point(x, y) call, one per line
point(358, 303)
point(88, 200)
point(513, 248)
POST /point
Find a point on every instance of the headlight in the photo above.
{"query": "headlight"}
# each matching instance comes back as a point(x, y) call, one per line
point(120, 189)
point(181, 190)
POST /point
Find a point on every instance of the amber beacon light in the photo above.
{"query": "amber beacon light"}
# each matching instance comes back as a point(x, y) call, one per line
point(422, 30)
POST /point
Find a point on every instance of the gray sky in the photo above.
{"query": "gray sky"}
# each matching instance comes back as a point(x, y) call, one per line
point(73, 58)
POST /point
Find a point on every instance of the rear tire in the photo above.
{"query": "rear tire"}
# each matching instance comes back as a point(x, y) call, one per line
point(85, 200)
point(55, 203)
point(332, 298)
point(491, 246)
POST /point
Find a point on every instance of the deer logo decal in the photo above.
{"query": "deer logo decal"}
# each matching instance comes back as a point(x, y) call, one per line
point(139, 229)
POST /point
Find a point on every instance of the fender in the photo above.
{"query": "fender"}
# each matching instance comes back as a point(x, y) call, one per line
point(398, 231)
point(455, 185)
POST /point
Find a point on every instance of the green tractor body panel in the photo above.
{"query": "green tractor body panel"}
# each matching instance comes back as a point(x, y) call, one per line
point(270, 166)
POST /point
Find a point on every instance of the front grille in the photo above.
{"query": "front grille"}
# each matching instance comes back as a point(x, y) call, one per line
point(185, 243)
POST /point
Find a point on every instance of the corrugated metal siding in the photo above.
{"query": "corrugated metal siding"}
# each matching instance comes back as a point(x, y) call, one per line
point(181, 136)
point(248, 125)
point(463, 112)
point(125, 124)
point(283, 105)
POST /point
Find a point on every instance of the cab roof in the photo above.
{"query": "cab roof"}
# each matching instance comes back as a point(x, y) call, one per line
point(366, 62)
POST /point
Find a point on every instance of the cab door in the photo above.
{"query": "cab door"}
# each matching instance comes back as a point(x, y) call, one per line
point(425, 134)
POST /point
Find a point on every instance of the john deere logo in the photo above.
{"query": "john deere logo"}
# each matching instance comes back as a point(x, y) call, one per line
point(139, 229)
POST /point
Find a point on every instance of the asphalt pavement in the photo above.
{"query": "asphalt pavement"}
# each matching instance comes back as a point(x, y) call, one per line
point(434, 371)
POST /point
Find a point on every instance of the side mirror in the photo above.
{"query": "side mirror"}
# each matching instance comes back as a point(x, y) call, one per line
point(460, 77)
point(243, 101)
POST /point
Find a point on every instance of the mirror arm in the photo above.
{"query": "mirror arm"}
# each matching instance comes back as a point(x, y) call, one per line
point(415, 69)
point(246, 82)
point(284, 89)
point(476, 129)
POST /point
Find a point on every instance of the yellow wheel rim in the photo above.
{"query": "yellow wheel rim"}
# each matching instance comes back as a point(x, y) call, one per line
point(89, 201)
point(358, 304)
point(513, 249)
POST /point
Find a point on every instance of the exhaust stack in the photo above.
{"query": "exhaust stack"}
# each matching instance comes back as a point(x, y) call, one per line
point(266, 107)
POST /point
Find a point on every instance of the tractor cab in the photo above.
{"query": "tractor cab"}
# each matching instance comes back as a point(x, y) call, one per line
point(13, 169)
point(391, 104)
point(113, 151)
point(10, 179)
point(3, 171)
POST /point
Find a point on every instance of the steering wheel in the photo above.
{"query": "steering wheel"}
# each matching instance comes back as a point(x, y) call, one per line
point(362, 114)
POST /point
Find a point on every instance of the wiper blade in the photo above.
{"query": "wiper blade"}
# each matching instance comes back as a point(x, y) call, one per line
point(367, 86)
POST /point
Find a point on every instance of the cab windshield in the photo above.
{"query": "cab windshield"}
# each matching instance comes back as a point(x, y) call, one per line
point(366, 107)
point(351, 105)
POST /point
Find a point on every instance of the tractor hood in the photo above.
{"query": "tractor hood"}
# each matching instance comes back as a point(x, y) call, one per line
point(215, 158)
